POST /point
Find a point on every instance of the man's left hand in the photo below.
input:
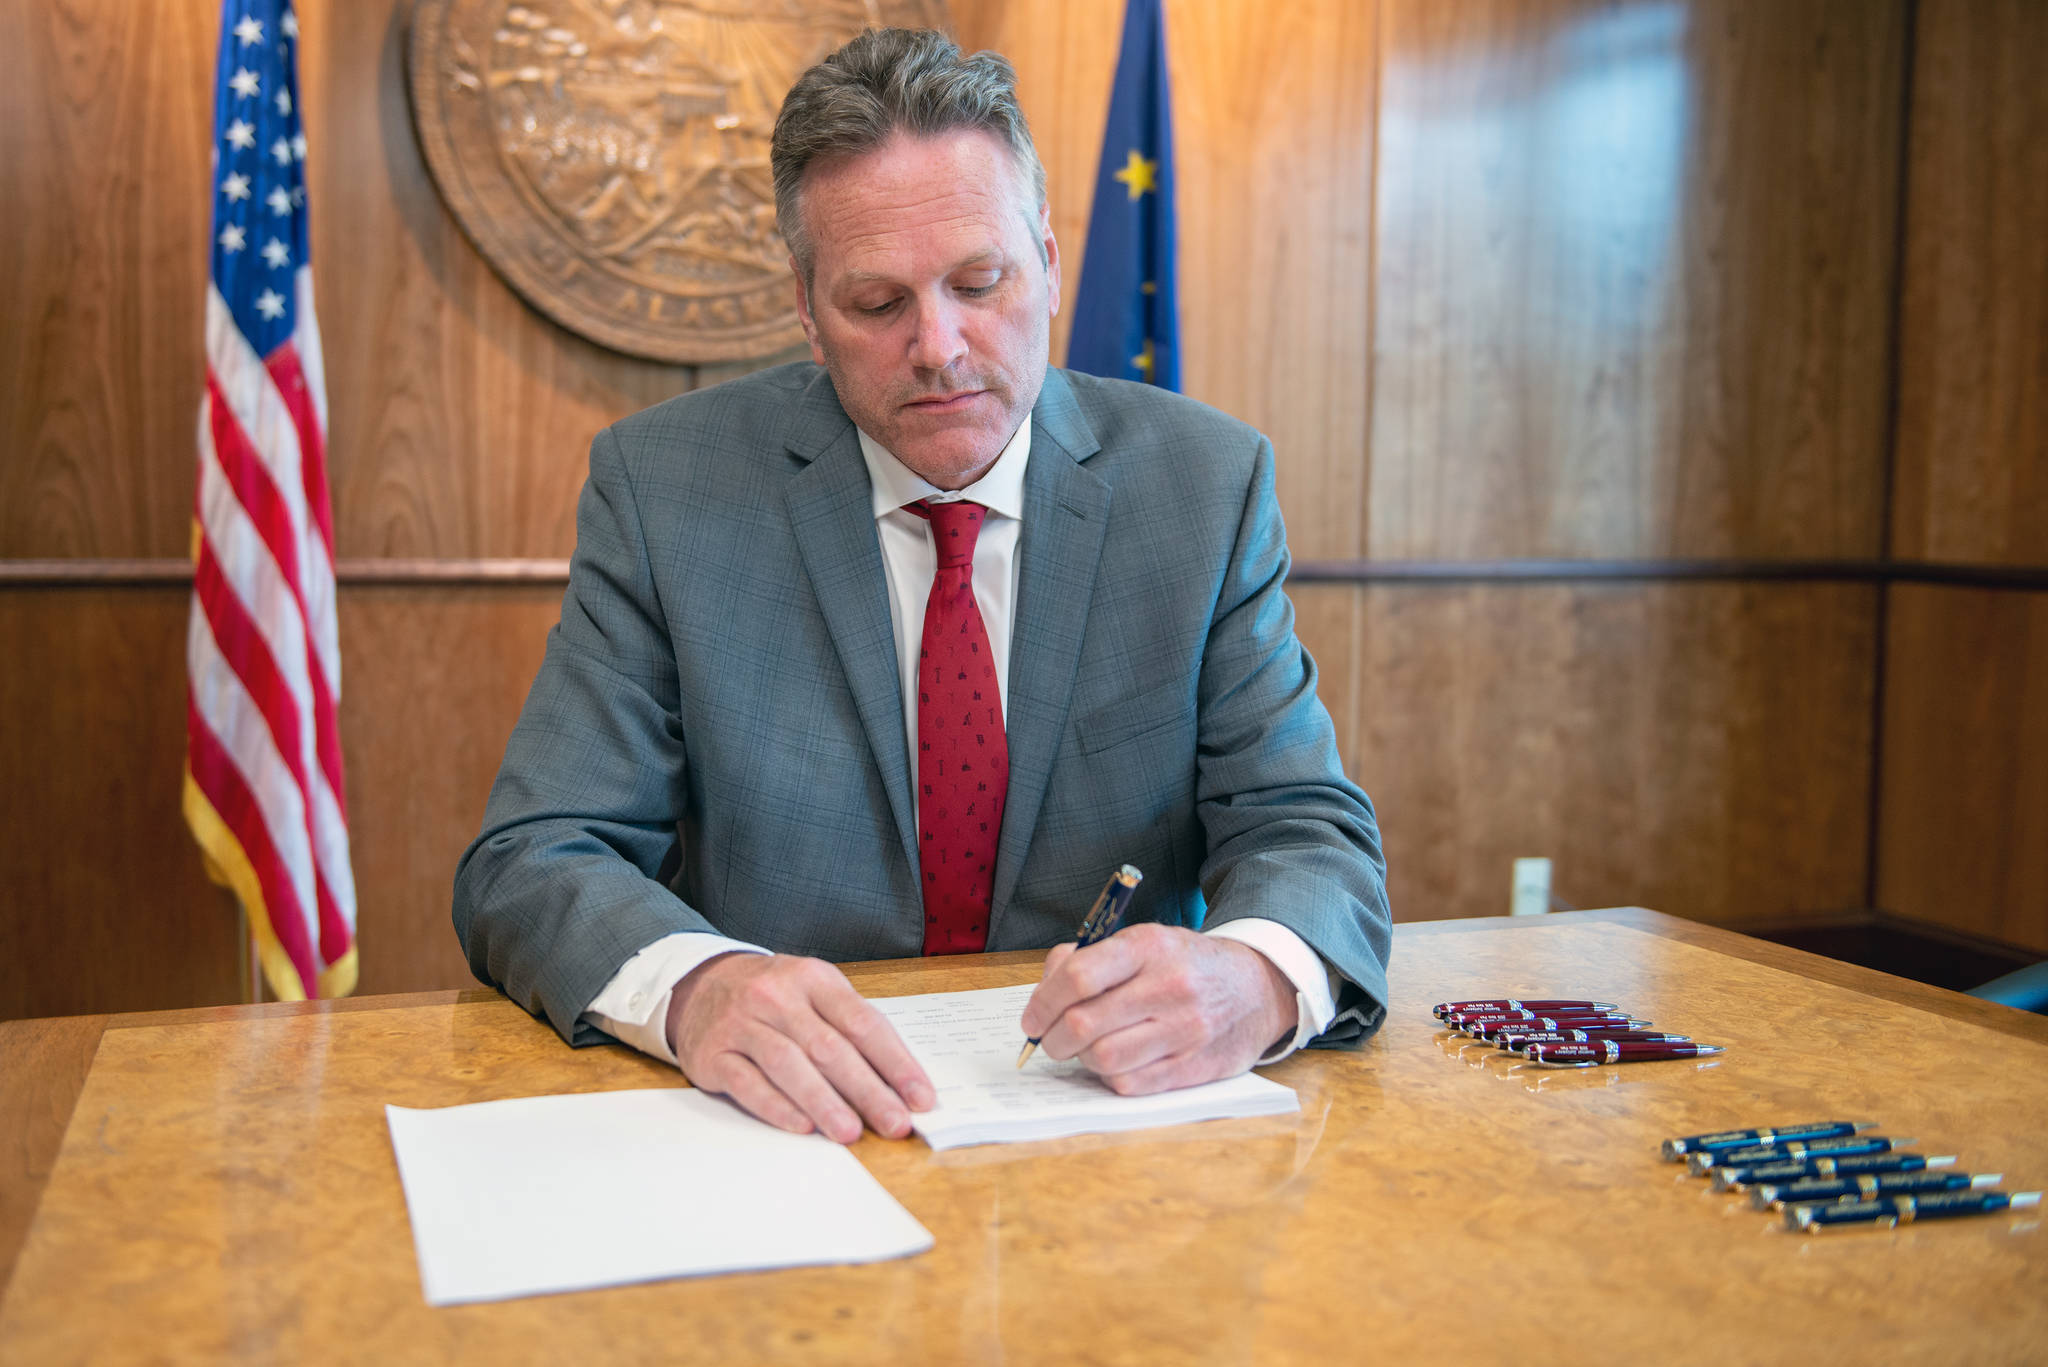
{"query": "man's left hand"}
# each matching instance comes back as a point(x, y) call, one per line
point(1156, 1007)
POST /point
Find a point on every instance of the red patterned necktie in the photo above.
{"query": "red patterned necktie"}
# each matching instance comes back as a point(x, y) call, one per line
point(963, 761)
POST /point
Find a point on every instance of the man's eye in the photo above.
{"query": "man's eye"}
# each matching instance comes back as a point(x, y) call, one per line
point(875, 310)
point(976, 291)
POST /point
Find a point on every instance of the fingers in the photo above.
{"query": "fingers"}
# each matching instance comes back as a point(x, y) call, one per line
point(881, 1048)
point(792, 1042)
point(833, 1079)
point(1074, 975)
point(736, 1077)
point(797, 1075)
point(1156, 1007)
point(1115, 1049)
point(1165, 1074)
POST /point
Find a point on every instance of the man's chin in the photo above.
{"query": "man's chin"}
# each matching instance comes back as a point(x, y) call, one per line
point(951, 460)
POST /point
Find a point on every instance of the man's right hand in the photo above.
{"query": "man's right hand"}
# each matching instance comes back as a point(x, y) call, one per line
point(791, 1041)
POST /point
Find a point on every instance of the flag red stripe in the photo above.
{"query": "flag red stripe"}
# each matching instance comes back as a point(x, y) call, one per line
point(285, 369)
point(290, 378)
point(248, 654)
point(225, 788)
point(335, 934)
point(259, 497)
point(326, 731)
point(254, 487)
point(285, 372)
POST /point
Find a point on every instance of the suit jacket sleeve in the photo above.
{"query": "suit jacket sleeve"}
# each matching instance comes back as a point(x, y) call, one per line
point(562, 885)
point(1289, 837)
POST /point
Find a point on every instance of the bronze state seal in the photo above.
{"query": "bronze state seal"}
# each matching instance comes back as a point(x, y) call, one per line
point(610, 157)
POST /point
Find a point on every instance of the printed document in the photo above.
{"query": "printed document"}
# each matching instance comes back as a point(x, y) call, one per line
point(968, 1042)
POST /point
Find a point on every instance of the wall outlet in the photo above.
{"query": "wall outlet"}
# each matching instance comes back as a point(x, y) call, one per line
point(1531, 895)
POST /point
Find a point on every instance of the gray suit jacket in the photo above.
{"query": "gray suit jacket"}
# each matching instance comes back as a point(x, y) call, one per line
point(715, 740)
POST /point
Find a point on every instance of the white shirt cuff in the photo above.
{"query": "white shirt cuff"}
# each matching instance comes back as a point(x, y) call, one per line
point(633, 1007)
point(1315, 982)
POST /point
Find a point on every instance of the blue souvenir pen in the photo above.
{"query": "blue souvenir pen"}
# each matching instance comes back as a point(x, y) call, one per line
point(1677, 1149)
point(1103, 919)
point(1867, 1187)
point(1816, 1165)
point(1892, 1211)
point(1847, 1146)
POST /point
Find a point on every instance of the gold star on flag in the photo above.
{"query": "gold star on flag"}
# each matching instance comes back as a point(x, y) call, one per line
point(1146, 360)
point(1138, 175)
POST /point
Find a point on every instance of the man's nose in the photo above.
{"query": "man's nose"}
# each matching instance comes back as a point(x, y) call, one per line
point(938, 342)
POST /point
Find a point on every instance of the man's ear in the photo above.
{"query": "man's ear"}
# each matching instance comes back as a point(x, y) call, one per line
point(803, 312)
point(1052, 260)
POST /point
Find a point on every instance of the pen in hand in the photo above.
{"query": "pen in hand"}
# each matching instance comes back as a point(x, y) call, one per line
point(1103, 919)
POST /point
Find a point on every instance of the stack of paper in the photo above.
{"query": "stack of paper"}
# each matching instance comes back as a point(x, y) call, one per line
point(968, 1043)
point(557, 1193)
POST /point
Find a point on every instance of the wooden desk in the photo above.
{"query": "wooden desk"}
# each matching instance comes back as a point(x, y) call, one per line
point(218, 1185)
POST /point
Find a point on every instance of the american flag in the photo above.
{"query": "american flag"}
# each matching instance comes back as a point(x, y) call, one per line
point(263, 790)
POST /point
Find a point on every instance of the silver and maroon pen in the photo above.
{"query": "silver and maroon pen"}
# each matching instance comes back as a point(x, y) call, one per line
point(1457, 1018)
point(1485, 1027)
point(1609, 1051)
point(1519, 1043)
point(1442, 1009)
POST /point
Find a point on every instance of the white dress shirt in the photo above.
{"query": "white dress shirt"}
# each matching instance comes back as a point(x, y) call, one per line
point(633, 1006)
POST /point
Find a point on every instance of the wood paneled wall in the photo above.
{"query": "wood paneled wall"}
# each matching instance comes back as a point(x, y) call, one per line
point(1634, 268)
point(104, 902)
point(1501, 278)
point(1973, 379)
point(1695, 745)
point(1964, 833)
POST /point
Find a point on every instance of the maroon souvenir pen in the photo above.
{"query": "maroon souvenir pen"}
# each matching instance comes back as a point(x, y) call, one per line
point(1458, 1019)
point(1516, 1044)
point(1609, 1051)
point(1442, 1009)
point(1491, 1029)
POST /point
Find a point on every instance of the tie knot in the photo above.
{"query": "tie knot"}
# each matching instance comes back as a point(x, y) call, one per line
point(955, 525)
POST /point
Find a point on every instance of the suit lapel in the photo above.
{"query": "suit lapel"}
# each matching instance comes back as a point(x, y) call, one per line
point(1066, 515)
point(831, 515)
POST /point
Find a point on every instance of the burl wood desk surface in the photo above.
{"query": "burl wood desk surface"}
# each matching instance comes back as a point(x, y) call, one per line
point(219, 1186)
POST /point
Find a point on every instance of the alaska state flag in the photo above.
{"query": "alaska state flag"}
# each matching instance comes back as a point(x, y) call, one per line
point(1126, 315)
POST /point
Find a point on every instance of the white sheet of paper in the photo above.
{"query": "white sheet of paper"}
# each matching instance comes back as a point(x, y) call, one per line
point(562, 1193)
point(968, 1043)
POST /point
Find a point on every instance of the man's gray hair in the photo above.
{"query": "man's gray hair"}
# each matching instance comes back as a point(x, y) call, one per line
point(883, 82)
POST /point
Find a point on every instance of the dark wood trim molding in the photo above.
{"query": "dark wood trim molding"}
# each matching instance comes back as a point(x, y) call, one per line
point(452, 571)
point(130, 573)
point(110, 573)
point(101, 573)
point(1662, 571)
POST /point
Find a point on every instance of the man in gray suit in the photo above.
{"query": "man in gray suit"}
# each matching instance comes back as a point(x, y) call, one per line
point(723, 778)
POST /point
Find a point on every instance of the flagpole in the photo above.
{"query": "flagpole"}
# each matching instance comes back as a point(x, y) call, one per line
point(248, 969)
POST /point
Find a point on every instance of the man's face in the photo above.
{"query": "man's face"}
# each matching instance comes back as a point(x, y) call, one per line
point(934, 284)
